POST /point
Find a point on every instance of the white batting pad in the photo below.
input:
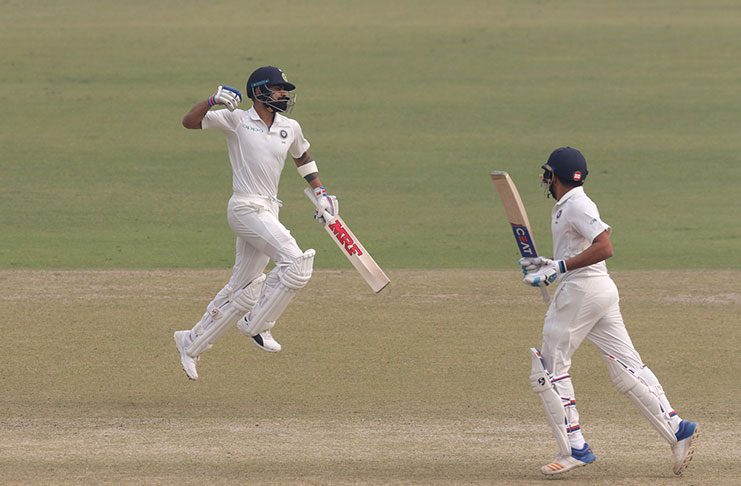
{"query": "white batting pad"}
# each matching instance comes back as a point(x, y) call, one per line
point(222, 319)
point(540, 380)
point(269, 308)
point(641, 395)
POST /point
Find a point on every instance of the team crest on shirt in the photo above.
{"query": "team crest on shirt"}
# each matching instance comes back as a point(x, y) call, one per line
point(283, 134)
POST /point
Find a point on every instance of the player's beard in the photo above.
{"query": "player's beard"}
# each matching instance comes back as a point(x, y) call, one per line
point(281, 104)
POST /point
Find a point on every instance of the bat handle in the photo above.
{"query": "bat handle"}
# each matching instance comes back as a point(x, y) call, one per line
point(328, 218)
point(544, 293)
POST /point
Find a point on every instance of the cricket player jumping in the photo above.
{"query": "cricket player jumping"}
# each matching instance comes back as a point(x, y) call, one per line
point(258, 141)
point(586, 305)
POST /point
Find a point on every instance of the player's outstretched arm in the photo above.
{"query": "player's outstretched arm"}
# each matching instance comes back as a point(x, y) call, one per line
point(308, 170)
point(327, 207)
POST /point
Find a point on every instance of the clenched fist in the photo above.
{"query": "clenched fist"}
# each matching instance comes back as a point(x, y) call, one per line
point(227, 96)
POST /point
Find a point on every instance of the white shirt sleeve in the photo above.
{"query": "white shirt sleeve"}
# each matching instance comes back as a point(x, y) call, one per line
point(299, 144)
point(589, 224)
point(222, 120)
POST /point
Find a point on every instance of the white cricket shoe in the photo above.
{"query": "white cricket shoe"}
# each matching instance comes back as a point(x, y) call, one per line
point(562, 464)
point(684, 449)
point(265, 341)
point(182, 341)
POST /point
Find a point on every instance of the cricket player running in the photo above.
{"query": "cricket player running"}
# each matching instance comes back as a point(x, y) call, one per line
point(586, 305)
point(258, 141)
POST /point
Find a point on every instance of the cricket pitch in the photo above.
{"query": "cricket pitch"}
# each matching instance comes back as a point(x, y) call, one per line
point(423, 384)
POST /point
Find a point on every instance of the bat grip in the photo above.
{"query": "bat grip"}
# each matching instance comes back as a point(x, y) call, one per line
point(544, 293)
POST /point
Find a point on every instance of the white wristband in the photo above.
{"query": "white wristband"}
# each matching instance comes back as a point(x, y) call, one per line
point(306, 169)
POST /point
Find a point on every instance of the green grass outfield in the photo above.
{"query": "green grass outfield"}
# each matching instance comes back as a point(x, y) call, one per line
point(113, 234)
point(408, 106)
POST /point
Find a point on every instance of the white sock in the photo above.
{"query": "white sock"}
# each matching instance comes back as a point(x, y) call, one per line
point(577, 440)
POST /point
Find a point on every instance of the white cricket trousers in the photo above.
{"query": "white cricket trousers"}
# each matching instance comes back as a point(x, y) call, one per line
point(583, 307)
point(588, 307)
point(261, 237)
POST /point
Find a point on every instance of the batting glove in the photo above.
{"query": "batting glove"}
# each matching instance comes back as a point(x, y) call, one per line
point(327, 207)
point(226, 95)
point(546, 274)
point(532, 264)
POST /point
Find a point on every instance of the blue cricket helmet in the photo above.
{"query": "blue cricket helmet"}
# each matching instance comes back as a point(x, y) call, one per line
point(568, 164)
point(267, 76)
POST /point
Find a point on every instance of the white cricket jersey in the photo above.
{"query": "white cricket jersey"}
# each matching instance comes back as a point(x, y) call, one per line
point(575, 223)
point(257, 153)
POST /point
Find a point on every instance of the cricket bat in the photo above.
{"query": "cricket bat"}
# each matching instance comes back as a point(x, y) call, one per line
point(517, 217)
point(354, 250)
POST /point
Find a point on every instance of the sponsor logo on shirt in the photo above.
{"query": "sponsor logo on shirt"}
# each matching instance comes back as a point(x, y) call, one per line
point(253, 129)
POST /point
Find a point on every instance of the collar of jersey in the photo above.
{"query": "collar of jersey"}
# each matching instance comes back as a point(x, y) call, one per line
point(277, 121)
point(571, 193)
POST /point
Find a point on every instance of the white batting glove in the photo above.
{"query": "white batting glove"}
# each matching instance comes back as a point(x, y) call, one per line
point(327, 207)
point(546, 274)
point(532, 264)
point(227, 96)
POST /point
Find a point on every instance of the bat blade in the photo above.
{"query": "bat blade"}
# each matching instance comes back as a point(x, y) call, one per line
point(517, 217)
point(355, 252)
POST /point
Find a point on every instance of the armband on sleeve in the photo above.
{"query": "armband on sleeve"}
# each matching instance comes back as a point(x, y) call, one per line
point(307, 169)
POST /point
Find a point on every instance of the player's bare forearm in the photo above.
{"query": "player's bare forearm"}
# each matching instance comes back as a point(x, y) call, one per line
point(312, 178)
point(193, 118)
point(601, 249)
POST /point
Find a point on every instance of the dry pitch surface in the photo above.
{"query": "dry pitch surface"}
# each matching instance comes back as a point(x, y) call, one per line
point(426, 383)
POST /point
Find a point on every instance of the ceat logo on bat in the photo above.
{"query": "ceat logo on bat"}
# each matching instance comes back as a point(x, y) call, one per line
point(522, 235)
point(577, 176)
point(343, 237)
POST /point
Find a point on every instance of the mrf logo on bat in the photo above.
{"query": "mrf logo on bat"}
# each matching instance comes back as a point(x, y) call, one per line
point(342, 235)
point(527, 248)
